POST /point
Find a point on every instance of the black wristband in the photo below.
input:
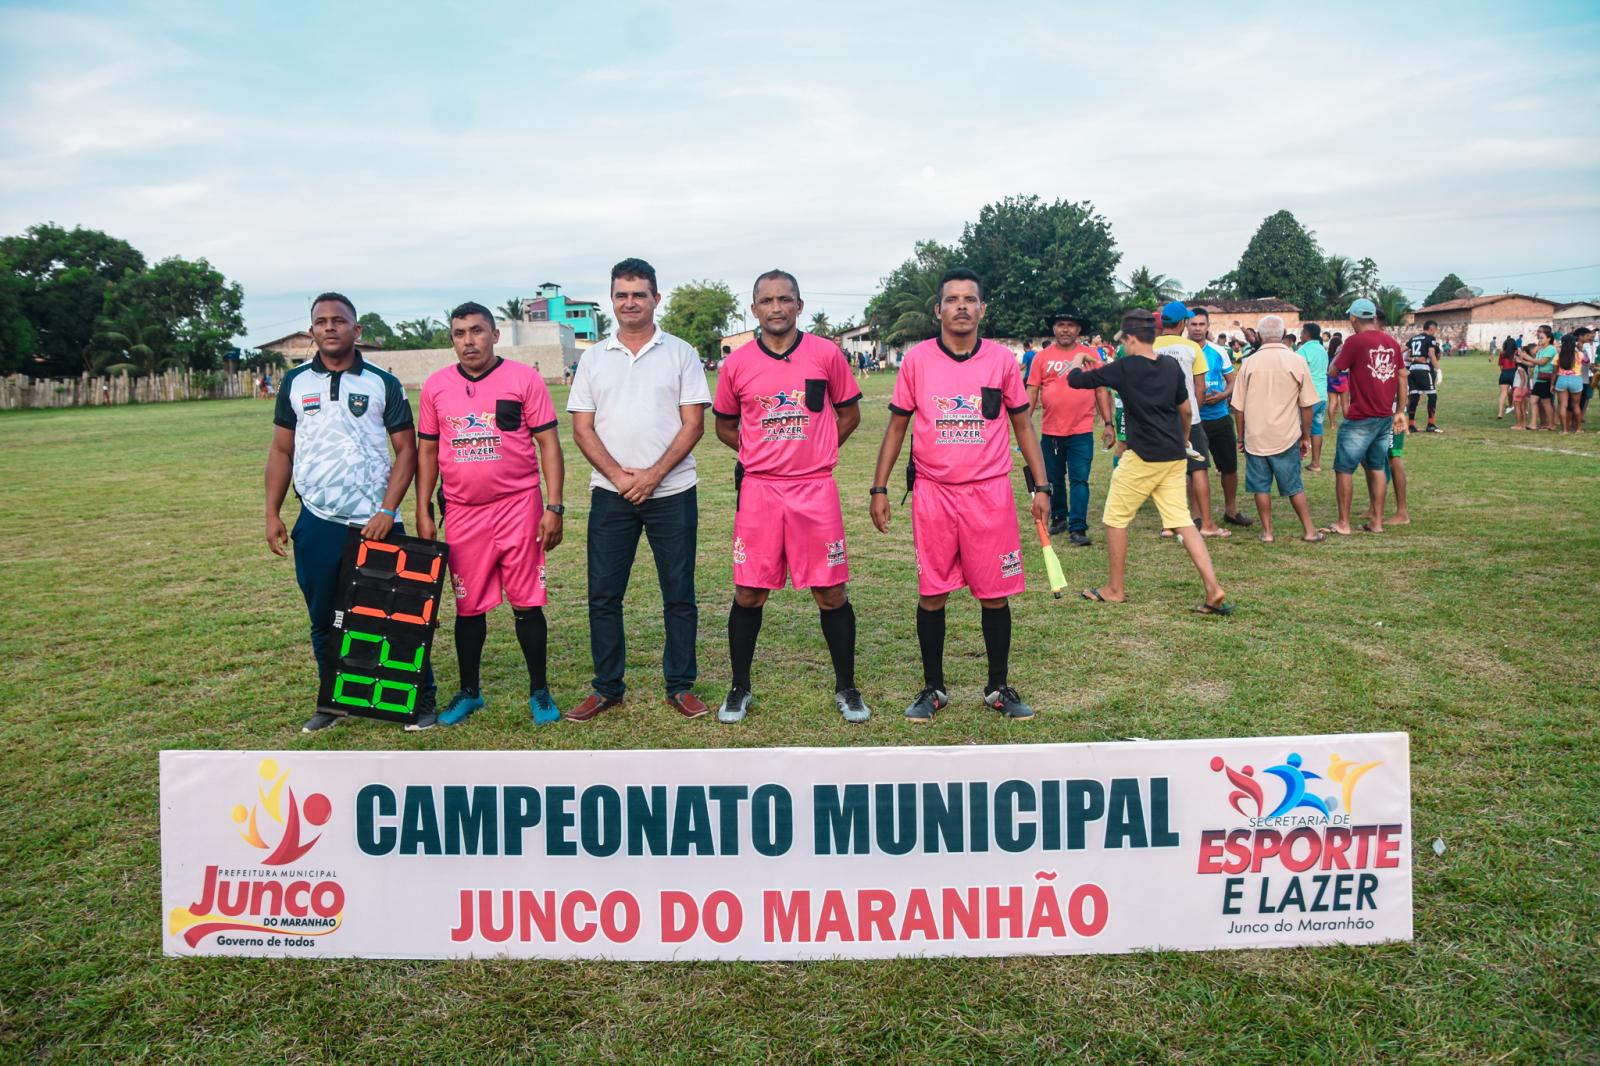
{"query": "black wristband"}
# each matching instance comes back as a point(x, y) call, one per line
point(878, 490)
point(556, 509)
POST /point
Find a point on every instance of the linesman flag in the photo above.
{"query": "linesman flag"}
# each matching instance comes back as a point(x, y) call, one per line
point(1052, 564)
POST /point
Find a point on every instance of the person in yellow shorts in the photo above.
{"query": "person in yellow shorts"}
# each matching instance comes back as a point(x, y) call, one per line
point(1155, 397)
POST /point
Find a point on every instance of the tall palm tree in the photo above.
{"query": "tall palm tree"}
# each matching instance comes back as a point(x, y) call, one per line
point(512, 309)
point(1338, 285)
point(602, 324)
point(1145, 288)
point(820, 324)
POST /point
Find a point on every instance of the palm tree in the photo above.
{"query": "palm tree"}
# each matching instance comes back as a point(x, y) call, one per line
point(135, 344)
point(1392, 304)
point(602, 324)
point(512, 309)
point(907, 314)
point(820, 325)
point(1338, 285)
point(1145, 288)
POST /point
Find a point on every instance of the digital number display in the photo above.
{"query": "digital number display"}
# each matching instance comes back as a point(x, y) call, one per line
point(383, 624)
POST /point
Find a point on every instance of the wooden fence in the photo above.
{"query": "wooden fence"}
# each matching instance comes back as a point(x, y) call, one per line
point(18, 391)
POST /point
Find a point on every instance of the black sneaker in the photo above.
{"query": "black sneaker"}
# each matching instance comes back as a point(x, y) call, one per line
point(319, 721)
point(1433, 429)
point(851, 705)
point(427, 711)
point(1059, 525)
point(928, 701)
point(1079, 540)
point(1007, 702)
point(735, 706)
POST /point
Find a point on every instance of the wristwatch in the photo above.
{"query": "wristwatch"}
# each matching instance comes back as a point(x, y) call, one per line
point(878, 490)
point(556, 509)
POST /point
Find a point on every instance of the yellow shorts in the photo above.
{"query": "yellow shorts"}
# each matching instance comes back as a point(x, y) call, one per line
point(1135, 481)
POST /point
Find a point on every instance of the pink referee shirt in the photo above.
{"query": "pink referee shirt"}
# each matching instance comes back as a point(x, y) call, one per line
point(485, 429)
point(947, 398)
point(783, 401)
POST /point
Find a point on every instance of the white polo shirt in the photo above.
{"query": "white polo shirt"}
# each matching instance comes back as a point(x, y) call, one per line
point(635, 400)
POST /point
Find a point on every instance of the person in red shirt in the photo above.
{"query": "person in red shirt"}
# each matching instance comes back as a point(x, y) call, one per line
point(1377, 412)
point(785, 403)
point(962, 397)
point(1067, 426)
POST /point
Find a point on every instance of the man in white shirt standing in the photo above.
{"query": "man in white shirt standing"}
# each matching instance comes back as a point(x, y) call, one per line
point(638, 405)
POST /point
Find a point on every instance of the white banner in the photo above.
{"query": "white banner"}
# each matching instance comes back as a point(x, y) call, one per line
point(788, 853)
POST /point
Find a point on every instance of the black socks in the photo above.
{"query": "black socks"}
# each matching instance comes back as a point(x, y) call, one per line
point(997, 643)
point(744, 625)
point(533, 635)
point(839, 630)
point(471, 630)
point(930, 638)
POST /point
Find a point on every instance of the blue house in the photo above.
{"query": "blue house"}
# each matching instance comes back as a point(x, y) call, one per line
point(582, 316)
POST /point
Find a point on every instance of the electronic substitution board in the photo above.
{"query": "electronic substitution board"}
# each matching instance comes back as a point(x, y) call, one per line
point(383, 623)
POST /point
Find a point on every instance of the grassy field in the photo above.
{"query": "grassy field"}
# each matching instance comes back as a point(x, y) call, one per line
point(145, 613)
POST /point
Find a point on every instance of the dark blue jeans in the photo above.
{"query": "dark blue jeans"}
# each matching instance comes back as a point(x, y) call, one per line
point(318, 553)
point(1068, 459)
point(671, 524)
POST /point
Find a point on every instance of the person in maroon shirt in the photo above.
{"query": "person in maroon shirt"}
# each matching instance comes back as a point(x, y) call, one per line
point(1377, 411)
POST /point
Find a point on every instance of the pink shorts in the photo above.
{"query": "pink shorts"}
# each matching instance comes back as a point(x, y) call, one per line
point(966, 535)
point(495, 546)
point(789, 525)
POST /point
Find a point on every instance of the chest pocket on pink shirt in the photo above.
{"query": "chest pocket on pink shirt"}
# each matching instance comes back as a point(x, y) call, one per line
point(991, 403)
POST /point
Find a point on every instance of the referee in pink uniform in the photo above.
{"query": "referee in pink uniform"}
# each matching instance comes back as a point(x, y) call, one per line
point(785, 402)
point(486, 427)
point(962, 393)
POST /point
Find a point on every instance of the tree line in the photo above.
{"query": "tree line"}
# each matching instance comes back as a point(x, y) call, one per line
point(80, 301)
point(1036, 256)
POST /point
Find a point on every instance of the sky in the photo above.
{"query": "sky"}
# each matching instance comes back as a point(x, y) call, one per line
point(413, 155)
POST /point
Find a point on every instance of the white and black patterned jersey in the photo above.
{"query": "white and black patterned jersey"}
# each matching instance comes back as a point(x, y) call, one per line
point(341, 423)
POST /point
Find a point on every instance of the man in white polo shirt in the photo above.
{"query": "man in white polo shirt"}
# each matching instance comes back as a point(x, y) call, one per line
point(638, 406)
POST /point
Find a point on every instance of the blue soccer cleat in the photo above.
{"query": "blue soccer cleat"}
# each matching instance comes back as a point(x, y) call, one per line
point(543, 708)
point(460, 707)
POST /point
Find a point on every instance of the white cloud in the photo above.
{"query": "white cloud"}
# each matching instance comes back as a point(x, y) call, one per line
point(829, 143)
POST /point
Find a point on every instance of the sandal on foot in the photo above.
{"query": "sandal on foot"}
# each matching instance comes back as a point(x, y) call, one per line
point(1224, 608)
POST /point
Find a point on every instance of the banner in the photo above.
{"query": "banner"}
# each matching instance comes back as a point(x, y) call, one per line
point(788, 853)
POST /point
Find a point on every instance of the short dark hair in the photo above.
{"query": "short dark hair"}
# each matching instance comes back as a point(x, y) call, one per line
point(1311, 331)
point(1199, 312)
point(636, 268)
point(1430, 324)
point(336, 297)
point(472, 307)
point(959, 274)
point(1140, 324)
point(776, 275)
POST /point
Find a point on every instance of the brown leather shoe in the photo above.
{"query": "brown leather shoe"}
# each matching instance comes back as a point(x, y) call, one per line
point(687, 704)
point(593, 705)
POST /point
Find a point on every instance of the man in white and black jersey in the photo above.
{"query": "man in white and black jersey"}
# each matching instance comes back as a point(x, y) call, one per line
point(336, 420)
point(1422, 365)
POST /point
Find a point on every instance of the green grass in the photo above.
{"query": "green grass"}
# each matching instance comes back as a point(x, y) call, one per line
point(144, 612)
